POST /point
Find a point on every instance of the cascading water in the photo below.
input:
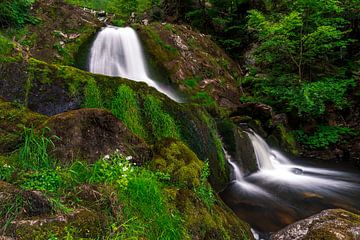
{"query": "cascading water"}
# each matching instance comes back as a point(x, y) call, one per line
point(282, 192)
point(117, 52)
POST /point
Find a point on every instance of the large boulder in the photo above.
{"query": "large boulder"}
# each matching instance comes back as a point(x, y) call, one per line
point(329, 224)
point(13, 119)
point(193, 62)
point(88, 134)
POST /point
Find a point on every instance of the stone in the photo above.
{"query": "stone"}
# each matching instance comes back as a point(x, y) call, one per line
point(89, 134)
point(333, 224)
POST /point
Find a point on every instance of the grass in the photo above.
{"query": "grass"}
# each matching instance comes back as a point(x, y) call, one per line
point(126, 107)
point(92, 95)
point(163, 125)
point(34, 151)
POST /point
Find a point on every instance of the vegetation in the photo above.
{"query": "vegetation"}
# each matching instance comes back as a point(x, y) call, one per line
point(323, 137)
point(15, 13)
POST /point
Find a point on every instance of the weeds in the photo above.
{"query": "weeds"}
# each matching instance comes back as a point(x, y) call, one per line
point(34, 152)
point(204, 191)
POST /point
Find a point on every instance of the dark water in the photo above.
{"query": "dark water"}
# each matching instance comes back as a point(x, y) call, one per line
point(269, 200)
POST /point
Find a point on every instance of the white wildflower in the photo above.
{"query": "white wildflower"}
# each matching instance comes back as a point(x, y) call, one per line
point(107, 157)
point(128, 158)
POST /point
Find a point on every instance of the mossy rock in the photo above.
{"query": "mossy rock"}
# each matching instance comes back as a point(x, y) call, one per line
point(62, 30)
point(193, 62)
point(89, 134)
point(13, 119)
point(52, 89)
point(203, 223)
point(80, 224)
point(176, 159)
point(333, 224)
point(16, 203)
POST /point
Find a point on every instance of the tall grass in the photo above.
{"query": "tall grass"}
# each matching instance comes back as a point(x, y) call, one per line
point(163, 125)
point(92, 95)
point(34, 151)
point(126, 107)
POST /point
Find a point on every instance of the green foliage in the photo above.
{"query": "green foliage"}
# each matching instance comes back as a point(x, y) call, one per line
point(204, 191)
point(146, 211)
point(6, 170)
point(204, 98)
point(112, 169)
point(92, 95)
point(47, 180)
point(192, 82)
point(122, 8)
point(15, 13)
point(34, 152)
point(6, 46)
point(323, 137)
point(162, 124)
point(126, 107)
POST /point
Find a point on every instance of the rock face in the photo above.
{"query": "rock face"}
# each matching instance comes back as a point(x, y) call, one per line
point(92, 133)
point(329, 224)
point(13, 119)
point(59, 36)
point(193, 62)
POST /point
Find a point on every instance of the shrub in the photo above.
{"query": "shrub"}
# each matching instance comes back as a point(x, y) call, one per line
point(15, 13)
point(44, 180)
point(323, 136)
point(204, 191)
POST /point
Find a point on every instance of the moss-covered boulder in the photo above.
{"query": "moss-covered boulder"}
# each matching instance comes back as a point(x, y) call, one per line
point(62, 30)
point(13, 119)
point(16, 203)
point(52, 89)
point(80, 224)
point(176, 159)
point(89, 134)
point(334, 224)
point(219, 222)
point(193, 62)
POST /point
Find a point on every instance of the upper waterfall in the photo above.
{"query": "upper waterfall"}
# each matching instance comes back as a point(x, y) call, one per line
point(117, 52)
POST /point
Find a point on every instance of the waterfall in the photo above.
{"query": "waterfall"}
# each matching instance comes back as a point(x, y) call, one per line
point(266, 157)
point(236, 173)
point(117, 52)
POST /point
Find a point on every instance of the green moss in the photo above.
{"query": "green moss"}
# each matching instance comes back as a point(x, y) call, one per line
point(92, 95)
point(175, 158)
point(162, 124)
point(126, 107)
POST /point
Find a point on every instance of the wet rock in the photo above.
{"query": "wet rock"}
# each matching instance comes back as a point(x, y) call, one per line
point(89, 134)
point(329, 224)
point(258, 111)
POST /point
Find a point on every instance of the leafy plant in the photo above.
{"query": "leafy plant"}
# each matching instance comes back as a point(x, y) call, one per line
point(16, 13)
point(323, 136)
point(204, 191)
point(43, 180)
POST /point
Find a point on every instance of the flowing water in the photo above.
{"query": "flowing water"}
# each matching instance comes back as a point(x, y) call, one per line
point(282, 192)
point(117, 52)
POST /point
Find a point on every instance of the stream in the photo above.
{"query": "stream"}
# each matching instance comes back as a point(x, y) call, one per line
point(283, 191)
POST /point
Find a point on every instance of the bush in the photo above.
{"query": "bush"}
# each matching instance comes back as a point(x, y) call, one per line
point(323, 136)
point(15, 13)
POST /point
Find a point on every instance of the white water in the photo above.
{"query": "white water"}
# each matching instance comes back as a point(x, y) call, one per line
point(283, 190)
point(117, 52)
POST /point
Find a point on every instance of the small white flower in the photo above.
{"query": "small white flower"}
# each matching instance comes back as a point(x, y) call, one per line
point(107, 157)
point(125, 169)
point(128, 158)
point(6, 166)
